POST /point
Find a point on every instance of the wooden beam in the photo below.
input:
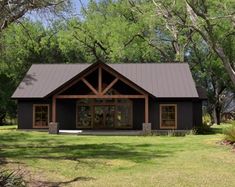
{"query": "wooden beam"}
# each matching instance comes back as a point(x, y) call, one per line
point(146, 109)
point(75, 81)
point(53, 109)
point(100, 81)
point(109, 86)
point(90, 86)
point(124, 80)
point(100, 96)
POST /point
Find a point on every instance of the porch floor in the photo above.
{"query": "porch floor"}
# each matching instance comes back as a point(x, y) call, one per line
point(103, 132)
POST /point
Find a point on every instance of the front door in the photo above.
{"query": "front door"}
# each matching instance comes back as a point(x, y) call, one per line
point(104, 116)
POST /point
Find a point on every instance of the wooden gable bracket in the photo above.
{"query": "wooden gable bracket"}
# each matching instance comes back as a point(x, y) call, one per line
point(109, 86)
point(124, 80)
point(76, 81)
point(90, 86)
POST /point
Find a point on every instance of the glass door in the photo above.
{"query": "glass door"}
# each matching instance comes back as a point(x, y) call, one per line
point(104, 117)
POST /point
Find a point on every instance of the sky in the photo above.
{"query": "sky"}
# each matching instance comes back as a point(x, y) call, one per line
point(77, 4)
point(46, 19)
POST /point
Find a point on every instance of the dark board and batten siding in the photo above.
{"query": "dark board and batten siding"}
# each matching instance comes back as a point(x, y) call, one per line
point(197, 113)
point(189, 113)
point(66, 114)
point(184, 113)
point(138, 113)
point(25, 112)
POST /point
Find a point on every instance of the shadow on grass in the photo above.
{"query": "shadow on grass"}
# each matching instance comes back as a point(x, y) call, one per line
point(217, 130)
point(58, 184)
point(210, 130)
point(20, 147)
point(46, 148)
point(8, 127)
point(124, 151)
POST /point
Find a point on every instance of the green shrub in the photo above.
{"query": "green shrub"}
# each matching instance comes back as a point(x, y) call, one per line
point(206, 119)
point(204, 128)
point(229, 133)
point(11, 179)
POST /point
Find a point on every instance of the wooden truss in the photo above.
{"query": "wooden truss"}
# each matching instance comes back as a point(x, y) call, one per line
point(101, 93)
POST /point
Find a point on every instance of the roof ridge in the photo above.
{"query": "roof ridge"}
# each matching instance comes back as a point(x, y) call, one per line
point(111, 63)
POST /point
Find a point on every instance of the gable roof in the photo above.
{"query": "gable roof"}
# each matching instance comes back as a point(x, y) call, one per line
point(162, 80)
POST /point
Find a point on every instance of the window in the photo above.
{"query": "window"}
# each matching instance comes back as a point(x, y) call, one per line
point(104, 113)
point(40, 115)
point(168, 116)
point(84, 117)
point(124, 115)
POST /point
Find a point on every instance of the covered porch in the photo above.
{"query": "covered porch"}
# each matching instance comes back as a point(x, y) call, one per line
point(100, 99)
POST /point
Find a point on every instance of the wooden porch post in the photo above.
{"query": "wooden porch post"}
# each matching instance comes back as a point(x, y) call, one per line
point(146, 109)
point(100, 81)
point(54, 109)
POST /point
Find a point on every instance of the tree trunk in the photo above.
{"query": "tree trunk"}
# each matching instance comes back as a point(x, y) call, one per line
point(220, 52)
point(217, 115)
point(2, 119)
point(212, 116)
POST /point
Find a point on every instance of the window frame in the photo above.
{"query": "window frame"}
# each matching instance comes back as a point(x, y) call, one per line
point(48, 115)
point(176, 112)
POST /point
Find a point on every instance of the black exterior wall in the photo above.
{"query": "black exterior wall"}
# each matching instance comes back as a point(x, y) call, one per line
point(184, 113)
point(138, 113)
point(189, 112)
point(66, 114)
point(197, 113)
point(25, 111)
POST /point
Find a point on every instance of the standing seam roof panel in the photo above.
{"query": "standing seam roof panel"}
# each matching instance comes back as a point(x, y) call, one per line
point(165, 80)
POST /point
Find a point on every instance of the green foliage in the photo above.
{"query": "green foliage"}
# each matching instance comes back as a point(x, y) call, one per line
point(20, 47)
point(111, 32)
point(229, 133)
point(206, 119)
point(11, 179)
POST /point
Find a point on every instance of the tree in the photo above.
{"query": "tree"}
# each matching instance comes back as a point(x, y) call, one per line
point(215, 27)
point(11, 11)
point(110, 31)
point(210, 73)
point(172, 19)
point(19, 49)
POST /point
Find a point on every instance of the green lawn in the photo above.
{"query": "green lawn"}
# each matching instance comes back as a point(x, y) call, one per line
point(70, 160)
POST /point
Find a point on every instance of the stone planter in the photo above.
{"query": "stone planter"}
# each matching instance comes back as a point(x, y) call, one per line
point(53, 128)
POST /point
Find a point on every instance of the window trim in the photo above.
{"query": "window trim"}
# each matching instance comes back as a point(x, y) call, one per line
point(48, 115)
point(176, 111)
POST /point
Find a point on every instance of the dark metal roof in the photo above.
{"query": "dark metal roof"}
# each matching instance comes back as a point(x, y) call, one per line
point(164, 80)
point(201, 93)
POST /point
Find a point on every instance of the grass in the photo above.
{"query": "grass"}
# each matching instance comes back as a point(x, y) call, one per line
point(69, 160)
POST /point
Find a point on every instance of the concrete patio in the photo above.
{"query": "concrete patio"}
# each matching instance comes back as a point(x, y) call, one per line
point(103, 132)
